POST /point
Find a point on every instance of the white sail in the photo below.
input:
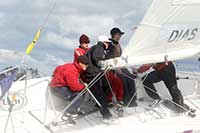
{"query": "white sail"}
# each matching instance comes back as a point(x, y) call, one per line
point(170, 29)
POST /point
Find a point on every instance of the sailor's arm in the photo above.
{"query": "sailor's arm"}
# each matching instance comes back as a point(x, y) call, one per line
point(74, 82)
point(144, 68)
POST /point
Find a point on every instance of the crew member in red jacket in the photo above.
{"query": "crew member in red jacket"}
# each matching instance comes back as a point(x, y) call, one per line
point(166, 72)
point(66, 83)
point(84, 41)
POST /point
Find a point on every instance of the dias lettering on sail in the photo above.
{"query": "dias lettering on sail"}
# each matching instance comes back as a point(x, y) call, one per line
point(170, 30)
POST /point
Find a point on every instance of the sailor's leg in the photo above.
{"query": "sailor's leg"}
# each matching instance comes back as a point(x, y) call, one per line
point(132, 88)
point(128, 86)
point(100, 95)
point(105, 85)
point(61, 92)
point(74, 107)
point(68, 95)
point(169, 78)
point(151, 78)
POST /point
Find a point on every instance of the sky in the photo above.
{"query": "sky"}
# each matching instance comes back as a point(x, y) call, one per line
point(20, 20)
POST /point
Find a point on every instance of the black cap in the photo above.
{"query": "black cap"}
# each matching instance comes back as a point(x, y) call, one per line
point(83, 59)
point(115, 31)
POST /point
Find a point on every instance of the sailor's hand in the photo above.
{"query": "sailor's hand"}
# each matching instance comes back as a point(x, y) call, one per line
point(103, 65)
point(86, 85)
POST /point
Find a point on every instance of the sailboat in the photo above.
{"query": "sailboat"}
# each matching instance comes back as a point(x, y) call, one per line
point(169, 31)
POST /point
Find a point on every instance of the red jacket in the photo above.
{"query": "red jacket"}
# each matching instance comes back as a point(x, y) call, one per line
point(144, 68)
point(79, 52)
point(67, 75)
point(157, 66)
point(160, 66)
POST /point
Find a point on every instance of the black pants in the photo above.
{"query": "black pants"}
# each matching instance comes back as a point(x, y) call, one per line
point(128, 84)
point(105, 85)
point(99, 92)
point(168, 76)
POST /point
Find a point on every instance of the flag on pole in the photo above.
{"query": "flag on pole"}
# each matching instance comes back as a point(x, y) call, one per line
point(32, 44)
point(6, 82)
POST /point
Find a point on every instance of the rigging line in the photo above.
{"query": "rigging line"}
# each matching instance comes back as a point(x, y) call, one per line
point(134, 95)
point(161, 116)
point(45, 20)
point(41, 28)
point(135, 75)
point(110, 87)
point(94, 81)
point(180, 106)
point(48, 15)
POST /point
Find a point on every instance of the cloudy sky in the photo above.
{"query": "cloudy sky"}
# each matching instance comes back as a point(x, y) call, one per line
point(20, 20)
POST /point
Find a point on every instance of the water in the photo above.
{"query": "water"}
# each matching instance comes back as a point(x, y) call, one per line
point(188, 65)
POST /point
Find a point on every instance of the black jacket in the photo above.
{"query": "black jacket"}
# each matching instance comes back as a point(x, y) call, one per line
point(95, 54)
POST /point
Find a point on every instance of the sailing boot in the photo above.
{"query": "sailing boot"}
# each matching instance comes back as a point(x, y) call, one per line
point(106, 113)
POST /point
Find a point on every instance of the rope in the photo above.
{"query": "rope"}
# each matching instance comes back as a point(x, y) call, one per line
point(110, 87)
point(134, 81)
point(97, 78)
point(48, 15)
point(185, 109)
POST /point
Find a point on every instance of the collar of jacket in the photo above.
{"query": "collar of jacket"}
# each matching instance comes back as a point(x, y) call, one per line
point(76, 64)
point(101, 44)
point(82, 47)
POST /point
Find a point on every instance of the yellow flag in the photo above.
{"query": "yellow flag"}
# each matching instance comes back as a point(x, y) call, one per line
point(32, 44)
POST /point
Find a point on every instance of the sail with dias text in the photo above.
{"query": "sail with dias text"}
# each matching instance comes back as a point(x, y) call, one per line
point(170, 30)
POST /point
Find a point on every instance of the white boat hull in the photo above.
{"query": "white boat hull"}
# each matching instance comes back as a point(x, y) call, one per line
point(135, 119)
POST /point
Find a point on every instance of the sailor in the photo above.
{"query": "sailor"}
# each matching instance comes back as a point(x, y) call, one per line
point(96, 56)
point(66, 83)
point(113, 51)
point(84, 41)
point(166, 72)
